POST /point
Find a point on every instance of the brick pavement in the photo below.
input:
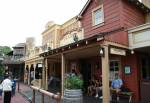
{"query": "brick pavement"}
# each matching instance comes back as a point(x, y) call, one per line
point(18, 98)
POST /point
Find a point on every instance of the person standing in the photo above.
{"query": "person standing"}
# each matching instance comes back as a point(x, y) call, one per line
point(7, 88)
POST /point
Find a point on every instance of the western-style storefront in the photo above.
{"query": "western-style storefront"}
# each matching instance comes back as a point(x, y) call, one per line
point(86, 58)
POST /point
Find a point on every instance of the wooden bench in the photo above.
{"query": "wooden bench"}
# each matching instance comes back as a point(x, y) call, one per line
point(126, 94)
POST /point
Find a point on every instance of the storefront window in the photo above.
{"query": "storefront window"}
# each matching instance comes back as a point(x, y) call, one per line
point(114, 68)
point(146, 69)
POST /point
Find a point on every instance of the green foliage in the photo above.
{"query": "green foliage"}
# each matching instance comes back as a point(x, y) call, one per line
point(1, 70)
point(4, 50)
point(73, 82)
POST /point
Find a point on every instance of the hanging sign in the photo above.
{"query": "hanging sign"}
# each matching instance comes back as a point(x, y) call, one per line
point(117, 51)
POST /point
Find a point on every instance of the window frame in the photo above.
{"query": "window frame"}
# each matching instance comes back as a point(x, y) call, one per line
point(93, 16)
point(111, 77)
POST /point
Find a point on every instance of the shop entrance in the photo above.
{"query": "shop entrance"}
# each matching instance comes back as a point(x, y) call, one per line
point(85, 71)
point(145, 79)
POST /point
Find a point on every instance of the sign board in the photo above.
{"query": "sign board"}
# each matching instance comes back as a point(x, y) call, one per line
point(127, 70)
point(39, 65)
point(117, 51)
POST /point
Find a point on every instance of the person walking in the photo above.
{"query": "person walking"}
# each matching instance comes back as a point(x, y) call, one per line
point(13, 86)
point(7, 89)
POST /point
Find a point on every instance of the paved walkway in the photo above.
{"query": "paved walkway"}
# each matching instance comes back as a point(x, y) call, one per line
point(18, 98)
point(25, 96)
point(27, 92)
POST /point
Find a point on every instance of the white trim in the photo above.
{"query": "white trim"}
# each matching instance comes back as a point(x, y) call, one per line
point(140, 27)
point(87, 3)
point(93, 16)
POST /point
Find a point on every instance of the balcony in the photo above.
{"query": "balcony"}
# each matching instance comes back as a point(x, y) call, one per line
point(13, 59)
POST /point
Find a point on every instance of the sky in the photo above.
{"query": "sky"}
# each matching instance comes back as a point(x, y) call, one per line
point(20, 19)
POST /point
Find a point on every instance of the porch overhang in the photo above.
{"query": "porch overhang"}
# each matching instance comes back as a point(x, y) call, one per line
point(139, 36)
point(83, 48)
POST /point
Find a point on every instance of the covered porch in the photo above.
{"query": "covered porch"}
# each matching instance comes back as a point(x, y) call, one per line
point(89, 57)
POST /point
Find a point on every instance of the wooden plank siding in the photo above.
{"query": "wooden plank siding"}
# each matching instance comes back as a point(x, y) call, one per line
point(131, 15)
point(132, 81)
point(117, 14)
point(111, 18)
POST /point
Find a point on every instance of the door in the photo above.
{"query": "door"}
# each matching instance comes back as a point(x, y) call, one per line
point(145, 80)
point(85, 71)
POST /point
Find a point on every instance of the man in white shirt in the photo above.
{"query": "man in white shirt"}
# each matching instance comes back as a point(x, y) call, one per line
point(7, 88)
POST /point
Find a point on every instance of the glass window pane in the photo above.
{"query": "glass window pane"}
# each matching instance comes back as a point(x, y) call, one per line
point(116, 68)
point(111, 64)
point(116, 63)
point(98, 16)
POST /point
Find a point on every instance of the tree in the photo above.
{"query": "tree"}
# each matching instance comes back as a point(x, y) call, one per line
point(1, 69)
point(4, 50)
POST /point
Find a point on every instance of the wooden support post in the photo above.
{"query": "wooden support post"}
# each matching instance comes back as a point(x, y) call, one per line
point(59, 98)
point(29, 76)
point(105, 75)
point(46, 75)
point(62, 73)
point(18, 85)
point(24, 79)
point(43, 74)
point(33, 98)
point(42, 98)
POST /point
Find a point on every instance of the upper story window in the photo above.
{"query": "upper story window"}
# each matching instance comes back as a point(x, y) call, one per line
point(97, 15)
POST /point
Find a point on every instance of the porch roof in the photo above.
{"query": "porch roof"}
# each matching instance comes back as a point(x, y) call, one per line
point(91, 40)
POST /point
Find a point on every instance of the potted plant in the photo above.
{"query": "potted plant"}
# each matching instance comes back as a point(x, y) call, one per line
point(73, 82)
point(73, 89)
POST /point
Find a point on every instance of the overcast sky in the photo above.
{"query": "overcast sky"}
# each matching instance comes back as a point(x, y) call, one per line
point(20, 19)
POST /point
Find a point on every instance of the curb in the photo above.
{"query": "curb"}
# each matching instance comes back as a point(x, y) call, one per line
point(27, 98)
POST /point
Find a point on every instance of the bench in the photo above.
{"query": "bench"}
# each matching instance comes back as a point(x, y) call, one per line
point(126, 94)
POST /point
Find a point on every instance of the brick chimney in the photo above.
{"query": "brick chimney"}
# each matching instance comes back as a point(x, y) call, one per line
point(147, 3)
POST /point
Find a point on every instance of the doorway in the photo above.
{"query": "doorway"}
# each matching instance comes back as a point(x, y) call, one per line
point(86, 72)
point(145, 80)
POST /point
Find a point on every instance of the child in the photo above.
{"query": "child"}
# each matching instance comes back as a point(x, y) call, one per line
point(13, 87)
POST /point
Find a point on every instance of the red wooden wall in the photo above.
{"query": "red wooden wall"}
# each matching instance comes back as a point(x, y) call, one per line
point(131, 16)
point(132, 80)
point(111, 18)
point(117, 14)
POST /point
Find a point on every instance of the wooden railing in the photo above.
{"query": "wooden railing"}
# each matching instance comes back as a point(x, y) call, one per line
point(56, 97)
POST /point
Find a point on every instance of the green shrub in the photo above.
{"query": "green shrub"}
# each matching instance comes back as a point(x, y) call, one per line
point(73, 82)
point(1, 70)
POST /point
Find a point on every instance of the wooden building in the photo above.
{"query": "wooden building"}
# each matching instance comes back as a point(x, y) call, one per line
point(104, 50)
point(14, 61)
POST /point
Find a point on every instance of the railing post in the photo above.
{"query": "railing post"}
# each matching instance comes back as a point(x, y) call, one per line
point(18, 85)
point(58, 99)
point(33, 98)
point(42, 98)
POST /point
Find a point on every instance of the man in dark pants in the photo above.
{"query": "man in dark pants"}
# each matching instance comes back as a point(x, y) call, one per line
point(7, 88)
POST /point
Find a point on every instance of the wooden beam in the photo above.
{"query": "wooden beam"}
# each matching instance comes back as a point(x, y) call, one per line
point(62, 73)
point(46, 74)
point(105, 74)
